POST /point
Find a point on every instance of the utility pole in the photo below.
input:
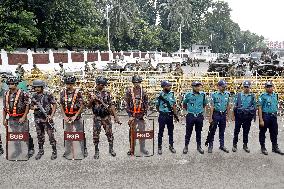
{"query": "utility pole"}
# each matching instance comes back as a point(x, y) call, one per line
point(180, 41)
point(108, 23)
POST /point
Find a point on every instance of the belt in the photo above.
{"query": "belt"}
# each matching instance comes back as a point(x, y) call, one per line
point(220, 112)
point(165, 113)
point(196, 115)
point(70, 115)
point(271, 114)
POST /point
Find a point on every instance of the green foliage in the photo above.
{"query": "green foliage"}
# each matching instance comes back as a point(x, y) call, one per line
point(83, 24)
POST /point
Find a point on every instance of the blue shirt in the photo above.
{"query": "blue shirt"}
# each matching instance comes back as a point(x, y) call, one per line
point(195, 102)
point(268, 102)
point(163, 105)
point(246, 100)
point(220, 101)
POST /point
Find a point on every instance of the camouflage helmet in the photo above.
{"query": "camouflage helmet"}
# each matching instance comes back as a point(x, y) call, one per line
point(12, 80)
point(38, 83)
point(101, 80)
point(70, 80)
point(137, 79)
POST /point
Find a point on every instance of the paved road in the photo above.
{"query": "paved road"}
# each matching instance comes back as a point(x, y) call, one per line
point(217, 170)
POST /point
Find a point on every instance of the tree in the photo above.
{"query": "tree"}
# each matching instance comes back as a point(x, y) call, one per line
point(18, 28)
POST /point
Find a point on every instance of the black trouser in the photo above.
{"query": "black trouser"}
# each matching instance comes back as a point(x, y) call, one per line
point(165, 119)
point(270, 122)
point(191, 121)
point(242, 121)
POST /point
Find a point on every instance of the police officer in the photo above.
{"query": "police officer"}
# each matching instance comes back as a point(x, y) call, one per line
point(136, 100)
point(72, 104)
point(219, 113)
point(43, 101)
point(16, 104)
point(100, 101)
point(244, 112)
point(194, 102)
point(166, 106)
point(267, 108)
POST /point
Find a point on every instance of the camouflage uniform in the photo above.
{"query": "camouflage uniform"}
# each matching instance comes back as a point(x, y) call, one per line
point(20, 71)
point(101, 119)
point(13, 121)
point(138, 117)
point(78, 123)
point(46, 100)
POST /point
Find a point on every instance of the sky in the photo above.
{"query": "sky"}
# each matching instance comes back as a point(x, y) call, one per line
point(264, 17)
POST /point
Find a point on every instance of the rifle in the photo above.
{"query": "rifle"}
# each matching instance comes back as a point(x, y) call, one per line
point(210, 135)
point(132, 140)
point(51, 124)
point(169, 106)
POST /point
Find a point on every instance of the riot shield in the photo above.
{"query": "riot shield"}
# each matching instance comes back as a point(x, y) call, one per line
point(74, 140)
point(17, 140)
point(142, 137)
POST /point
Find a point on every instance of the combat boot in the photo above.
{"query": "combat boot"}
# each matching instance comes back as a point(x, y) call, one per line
point(97, 152)
point(40, 153)
point(54, 153)
point(246, 149)
point(276, 150)
point(160, 150)
point(200, 150)
point(263, 150)
point(1, 150)
point(111, 151)
point(31, 152)
point(224, 149)
point(85, 152)
point(235, 148)
point(171, 148)
point(185, 150)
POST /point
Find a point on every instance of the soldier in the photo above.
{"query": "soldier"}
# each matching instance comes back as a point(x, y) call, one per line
point(16, 104)
point(20, 71)
point(219, 110)
point(136, 106)
point(44, 106)
point(267, 109)
point(62, 70)
point(100, 101)
point(71, 101)
point(178, 71)
point(194, 102)
point(87, 67)
point(166, 106)
point(244, 113)
point(35, 69)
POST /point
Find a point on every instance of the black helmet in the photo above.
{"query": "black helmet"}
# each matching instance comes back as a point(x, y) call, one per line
point(101, 80)
point(137, 79)
point(70, 80)
point(12, 80)
point(38, 83)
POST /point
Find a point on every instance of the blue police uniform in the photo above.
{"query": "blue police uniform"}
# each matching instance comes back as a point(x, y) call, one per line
point(194, 103)
point(244, 110)
point(269, 104)
point(165, 116)
point(220, 102)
